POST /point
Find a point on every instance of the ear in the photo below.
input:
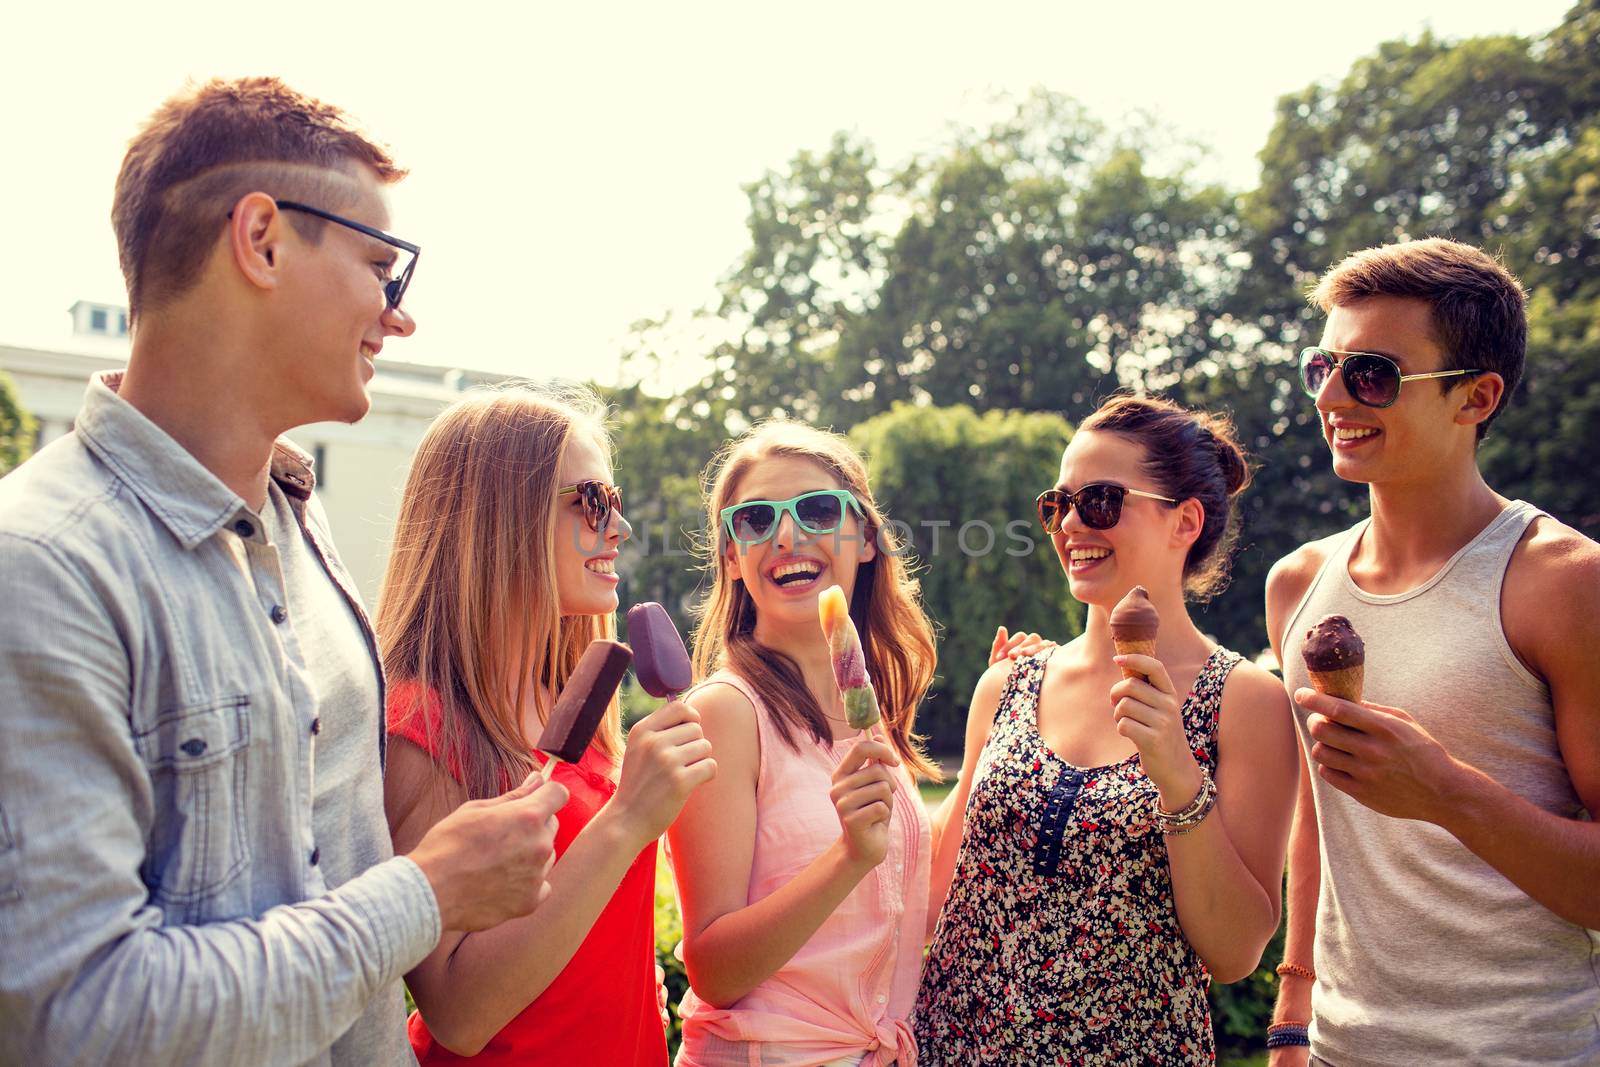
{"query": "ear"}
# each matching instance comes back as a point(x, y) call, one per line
point(730, 557)
point(1480, 398)
point(254, 231)
point(1191, 521)
point(869, 543)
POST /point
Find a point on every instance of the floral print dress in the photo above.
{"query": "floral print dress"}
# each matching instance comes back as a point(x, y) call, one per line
point(1059, 942)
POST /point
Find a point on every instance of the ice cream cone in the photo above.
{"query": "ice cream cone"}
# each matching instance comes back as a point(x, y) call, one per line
point(1134, 648)
point(1335, 658)
point(1344, 683)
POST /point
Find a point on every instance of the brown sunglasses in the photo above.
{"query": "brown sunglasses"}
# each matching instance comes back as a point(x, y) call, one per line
point(599, 498)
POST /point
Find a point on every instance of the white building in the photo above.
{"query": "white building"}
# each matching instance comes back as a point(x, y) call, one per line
point(361, 469)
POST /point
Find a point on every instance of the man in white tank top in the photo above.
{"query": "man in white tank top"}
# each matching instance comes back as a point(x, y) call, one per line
point(1444, 868)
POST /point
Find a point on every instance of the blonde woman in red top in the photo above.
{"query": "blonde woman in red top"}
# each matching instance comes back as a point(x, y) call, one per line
point(503, 571)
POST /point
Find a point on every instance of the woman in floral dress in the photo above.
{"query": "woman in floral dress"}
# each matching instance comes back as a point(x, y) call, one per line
point(1124, 838)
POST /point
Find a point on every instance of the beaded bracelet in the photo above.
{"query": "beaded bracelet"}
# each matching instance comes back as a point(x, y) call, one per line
point(1181, 822)
point(1295, 970)
point(1288, 1035)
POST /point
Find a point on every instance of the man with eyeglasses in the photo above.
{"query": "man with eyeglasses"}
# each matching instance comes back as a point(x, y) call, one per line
point(1443, 863)
point(194, 861)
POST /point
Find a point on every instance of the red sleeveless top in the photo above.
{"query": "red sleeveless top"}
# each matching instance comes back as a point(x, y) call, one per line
point(601, 1008)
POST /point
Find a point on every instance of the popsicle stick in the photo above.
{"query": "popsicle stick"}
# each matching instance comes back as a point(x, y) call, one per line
point(549, 768)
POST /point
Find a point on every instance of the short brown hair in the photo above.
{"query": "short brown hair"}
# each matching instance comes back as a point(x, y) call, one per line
point(204, 149)
point(1480, 315)
point(1190, 455)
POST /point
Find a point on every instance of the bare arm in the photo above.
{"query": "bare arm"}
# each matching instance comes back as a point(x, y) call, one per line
point(473, 984)
point(1226, 872)
point(729, 944)
point(1286, 584)
point(949, 820)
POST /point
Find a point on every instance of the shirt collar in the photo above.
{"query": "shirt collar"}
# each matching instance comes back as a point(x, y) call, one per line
point(190, 500)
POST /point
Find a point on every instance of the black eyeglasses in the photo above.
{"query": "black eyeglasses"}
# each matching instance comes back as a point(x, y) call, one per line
point(1099, 505)
point(1369, 378)
point(599, 499)
point(393, 288)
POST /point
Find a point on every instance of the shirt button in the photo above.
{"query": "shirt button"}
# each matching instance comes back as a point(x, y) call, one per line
point(244, 529)
point(279, 616)
point(316, 856)
point(316, 726)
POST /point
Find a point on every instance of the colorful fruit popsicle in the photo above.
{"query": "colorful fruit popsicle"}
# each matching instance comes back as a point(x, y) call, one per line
point(849, 662)
point(660, 661)
point(583, 702)
point(1336, 658)
point(1134, 624)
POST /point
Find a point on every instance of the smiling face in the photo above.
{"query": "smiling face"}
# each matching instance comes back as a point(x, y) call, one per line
point(1420, 434)
point(785, 573)
point(1148, 544)
point(335, 317)
point(585, 560)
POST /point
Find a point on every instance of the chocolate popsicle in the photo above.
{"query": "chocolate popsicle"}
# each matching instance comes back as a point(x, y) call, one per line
point(1134, 624)
point(1336, 658)
point(660, 661)
point(583, 702)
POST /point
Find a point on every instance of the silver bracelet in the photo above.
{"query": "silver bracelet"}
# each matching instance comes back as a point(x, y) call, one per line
point(1181, 822)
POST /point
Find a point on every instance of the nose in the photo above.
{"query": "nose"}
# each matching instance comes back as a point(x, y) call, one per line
point(397, 322)
point(1070, 520)
point(619, 529)
point(1333, 395)
point(786, 533)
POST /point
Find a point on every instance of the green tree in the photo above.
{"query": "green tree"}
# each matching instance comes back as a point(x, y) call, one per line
point(816, 251)
point(1551, 218)
point(16, 428)
point(960, 487)
point(662, 446)
point(1040, 273)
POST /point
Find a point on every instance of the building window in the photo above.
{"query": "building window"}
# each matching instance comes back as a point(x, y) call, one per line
point(97, 320)
point(122, 324)
point(319, 456)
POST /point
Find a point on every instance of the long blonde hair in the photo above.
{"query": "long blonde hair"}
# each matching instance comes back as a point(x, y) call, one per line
point(895, 633)
point(469, 612)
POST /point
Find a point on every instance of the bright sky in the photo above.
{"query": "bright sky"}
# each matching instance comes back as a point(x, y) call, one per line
point(576, 168)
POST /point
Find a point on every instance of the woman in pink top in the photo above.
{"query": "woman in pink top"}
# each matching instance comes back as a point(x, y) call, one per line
point(803, 867)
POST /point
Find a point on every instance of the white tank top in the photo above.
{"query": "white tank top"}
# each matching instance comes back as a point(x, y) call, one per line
point(1424, 953)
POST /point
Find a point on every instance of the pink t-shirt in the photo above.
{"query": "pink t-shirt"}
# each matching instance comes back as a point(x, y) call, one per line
point(849, 991)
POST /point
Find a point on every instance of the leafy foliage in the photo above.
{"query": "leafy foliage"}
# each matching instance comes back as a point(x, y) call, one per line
point(959, 487)
point(16, 428)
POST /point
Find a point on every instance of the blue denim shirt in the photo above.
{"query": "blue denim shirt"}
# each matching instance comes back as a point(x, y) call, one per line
point(160, 897)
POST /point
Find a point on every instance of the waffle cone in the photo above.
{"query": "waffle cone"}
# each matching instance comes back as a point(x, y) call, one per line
point(1344, 683)
point(1134, 648)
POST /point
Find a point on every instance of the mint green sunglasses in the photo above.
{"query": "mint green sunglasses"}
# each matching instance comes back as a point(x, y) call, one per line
point(817, 512)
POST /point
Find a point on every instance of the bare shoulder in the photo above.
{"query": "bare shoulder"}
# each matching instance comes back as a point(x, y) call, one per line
point(986, 694)
point(1254, 696)
point(724, 708)
point(417, 792)
point(1294, 572)
point(1288, 581)
point(1551, 597)
point(728, 720)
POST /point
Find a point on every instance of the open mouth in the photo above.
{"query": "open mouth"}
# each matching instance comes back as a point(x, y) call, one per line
point(1083, 557)
point(796, 574)
point(601, 566)
point(1352, 434)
